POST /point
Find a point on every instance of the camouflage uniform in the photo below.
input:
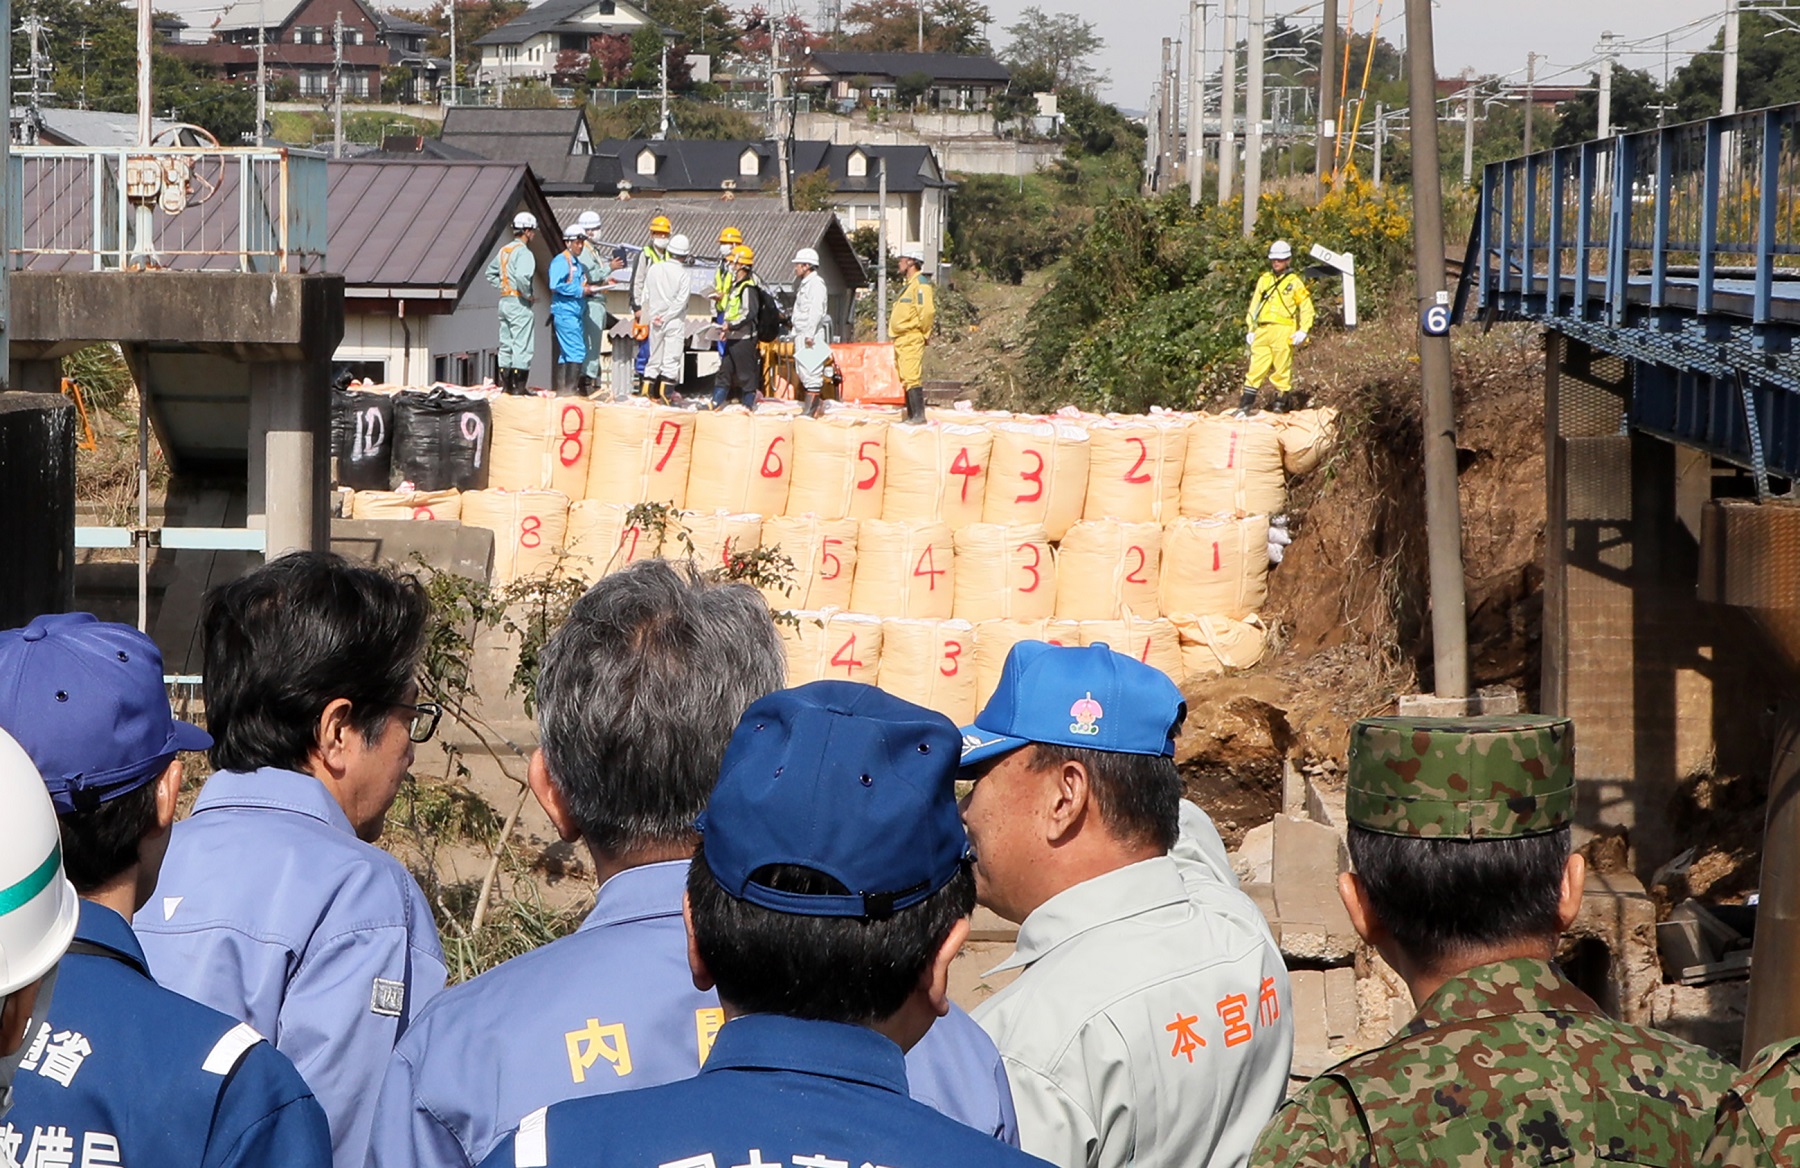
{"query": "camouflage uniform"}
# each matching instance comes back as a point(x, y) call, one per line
point(1506, 1063)
point(1759, 1118)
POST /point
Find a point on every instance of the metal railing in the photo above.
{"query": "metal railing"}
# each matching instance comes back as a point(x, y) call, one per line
point(1694, 215)
point(81, 208)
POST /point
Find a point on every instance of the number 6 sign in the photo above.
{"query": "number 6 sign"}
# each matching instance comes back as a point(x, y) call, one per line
point(1435, 321)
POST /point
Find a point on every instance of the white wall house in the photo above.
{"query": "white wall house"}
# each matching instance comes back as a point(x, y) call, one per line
point(527, 46)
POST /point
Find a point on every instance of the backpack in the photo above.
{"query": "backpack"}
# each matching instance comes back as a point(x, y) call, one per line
point(768, 314)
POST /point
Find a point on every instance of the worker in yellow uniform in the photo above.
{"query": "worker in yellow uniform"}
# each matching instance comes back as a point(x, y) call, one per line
point(1278, 322)
point(908, 326)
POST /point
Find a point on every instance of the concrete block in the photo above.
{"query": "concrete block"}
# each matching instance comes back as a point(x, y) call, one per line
point(1617, 914)
point(1293, 790)
point(1712, 1016)
point(1311, 923)
point(1499, 699)
point(445, 545)
point(1325, 803)
point(1340, 1005)
point(1312, 1043)
point(1253, 861)
point(1264, 896)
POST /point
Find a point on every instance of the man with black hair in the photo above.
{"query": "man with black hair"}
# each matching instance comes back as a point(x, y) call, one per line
point(120, 1070)
point(1459, 831)
point(274, 905)
point(829, 893)
point(611, 1007)
point(1149, 1024)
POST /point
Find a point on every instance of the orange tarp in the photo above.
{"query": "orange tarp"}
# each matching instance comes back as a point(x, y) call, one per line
point(869, 374)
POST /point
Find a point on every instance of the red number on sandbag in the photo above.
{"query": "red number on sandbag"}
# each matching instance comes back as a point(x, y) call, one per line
point(529, 527)
point(826, 558)
point(1132, 475)
point(674, 432)
point(1035, 477)
point(423, 513)
point(1231, 451)
point(1037, 557)
point(570, 436)
point(769, 455)
point(862, 455)
point(1145, 655)
point(634, 532)
point(845, 657)
point(1216, 564)
point(927, 567)
point(1136, 575)
point(968, 470)
point(952, 651)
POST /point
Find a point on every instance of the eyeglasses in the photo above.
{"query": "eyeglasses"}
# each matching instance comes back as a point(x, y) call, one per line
point(424, 721)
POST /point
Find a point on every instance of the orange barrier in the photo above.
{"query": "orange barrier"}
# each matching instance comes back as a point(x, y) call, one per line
point(868, 374)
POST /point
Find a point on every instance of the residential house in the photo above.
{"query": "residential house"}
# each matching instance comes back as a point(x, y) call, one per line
point(298, 41)
point(413, 240)
point(54, 126)
point(554, 142)
point(528, 46)
point(956, 81)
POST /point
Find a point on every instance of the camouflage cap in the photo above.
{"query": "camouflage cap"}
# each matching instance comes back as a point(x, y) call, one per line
point(1488, 777)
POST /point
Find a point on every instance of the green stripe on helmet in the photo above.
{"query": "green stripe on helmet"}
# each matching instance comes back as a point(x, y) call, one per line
point(36, 881)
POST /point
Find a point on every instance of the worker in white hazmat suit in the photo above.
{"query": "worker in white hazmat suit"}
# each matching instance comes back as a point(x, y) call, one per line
point(665, 311)
point(811, 335)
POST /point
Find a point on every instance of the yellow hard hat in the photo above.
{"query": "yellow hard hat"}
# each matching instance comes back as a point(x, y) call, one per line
point(661, 225)
point(741, 254)
point(731, 235)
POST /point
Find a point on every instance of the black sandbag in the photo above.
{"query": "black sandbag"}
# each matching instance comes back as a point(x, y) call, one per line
point(362, 431)
point(440, 440)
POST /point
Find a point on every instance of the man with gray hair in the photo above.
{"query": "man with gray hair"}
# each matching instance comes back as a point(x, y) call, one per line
point(640, 691)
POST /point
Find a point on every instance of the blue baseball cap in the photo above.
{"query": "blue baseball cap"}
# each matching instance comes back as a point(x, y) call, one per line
point(844, 779)
point(85, 698)
point(1091, 697)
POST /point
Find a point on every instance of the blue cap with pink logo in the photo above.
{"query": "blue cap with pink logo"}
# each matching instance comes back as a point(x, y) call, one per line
point(1091, 697)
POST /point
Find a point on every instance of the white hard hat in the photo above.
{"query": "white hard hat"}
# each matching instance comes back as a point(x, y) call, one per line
point(574, 231)
point(807, 255)
point(679, 245)
point(37, 902)
point(1279, 250)
point(524, 220)
point(588, 221)
point(913, 251)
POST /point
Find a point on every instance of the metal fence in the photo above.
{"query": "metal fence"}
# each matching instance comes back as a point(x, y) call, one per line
point(252, 210)
point(1696, 215)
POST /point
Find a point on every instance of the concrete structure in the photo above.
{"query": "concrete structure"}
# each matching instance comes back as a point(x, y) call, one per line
point(530, 45)
point(951, 80)
point(963, 142)
point(412, 240)
point(298, 46)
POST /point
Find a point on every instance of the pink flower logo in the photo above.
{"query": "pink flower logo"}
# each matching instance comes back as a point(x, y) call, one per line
point(1086, 713)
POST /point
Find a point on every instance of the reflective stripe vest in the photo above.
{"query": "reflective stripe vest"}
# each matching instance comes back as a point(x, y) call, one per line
point(1280, 299)
point(506, 288)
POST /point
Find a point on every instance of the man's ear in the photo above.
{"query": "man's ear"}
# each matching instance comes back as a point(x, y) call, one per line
point(331, 738)
point(1574, 882)
point(1069, 796)
point(703, 979)
point(550, 798)
point(934, 979)
point(1368, 926)
point(168, 794)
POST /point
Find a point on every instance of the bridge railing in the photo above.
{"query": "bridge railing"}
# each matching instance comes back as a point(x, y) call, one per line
point(80, 208)
point(1699, 214)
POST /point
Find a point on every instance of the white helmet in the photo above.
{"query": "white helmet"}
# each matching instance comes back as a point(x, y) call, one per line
point(913, 251)
point(1279, 250)
point(574, 231)
point(588, 221)
point(37, 902)
point(679, 245)
point(524, 221)
point(807, 255)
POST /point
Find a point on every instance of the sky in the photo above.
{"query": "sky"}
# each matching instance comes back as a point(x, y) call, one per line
point(1489, 36)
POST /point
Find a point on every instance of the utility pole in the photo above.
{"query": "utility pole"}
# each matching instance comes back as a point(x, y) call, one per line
point(1196, 119)
point(1165, 136)
point(662, 85)
point(1606, 72)
point(143, 69)
point(337, 85)
point(1443, 509)
point(1253, 117)
point(1530, 95)
point(921, 25)
point(262, 69)
point(1328, 83)
point(1380, 141)
point(1728, 100)
point(1228, 105)
point(777, 115)
point(1468, 128)
point(7, 194)
point(881, 333)
point(452, 4)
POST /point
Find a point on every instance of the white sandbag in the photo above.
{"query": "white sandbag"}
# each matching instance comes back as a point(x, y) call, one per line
point(529, 529)
point(931, 663)
point(406, 504)
point(1134, 469)
point(601, 540)
point(1154, 642)
point(1233, 468)
point(904, 569)
point(823, 552)
point(742, 462)
point(839, 465)
point(1037, 473)
point(832, 646)
point(1219, 567)
point(541, 443)
point(995, 639)
point(1306, 437)
point(1211, 645)
point(1106, 569)
point(641, 454)
point(1004, 572)
point(936, 473)
point(711, 538)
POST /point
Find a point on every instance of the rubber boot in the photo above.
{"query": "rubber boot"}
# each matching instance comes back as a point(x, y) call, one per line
point(1281, 403)
point(585, 386)
point(720, 393)
point(1246, 404)
point(813, 408)
point(520, 386)
point(915, 405)
point(750, 400)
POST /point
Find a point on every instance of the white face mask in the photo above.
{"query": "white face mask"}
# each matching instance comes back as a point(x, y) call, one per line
point(725, 251)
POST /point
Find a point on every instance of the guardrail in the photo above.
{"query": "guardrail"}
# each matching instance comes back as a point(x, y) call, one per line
point(1694, 215)
point(253, 210)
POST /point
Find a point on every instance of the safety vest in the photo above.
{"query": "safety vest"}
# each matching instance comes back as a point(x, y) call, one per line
point(731, 303)
point(1286, 292)
point(506, 286)
point(722, 281)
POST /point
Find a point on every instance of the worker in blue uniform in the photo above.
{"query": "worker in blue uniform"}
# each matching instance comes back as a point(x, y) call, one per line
point(568, 312)
point(121, 1071)
point(830, 891)
point(274, 904)
point(594, 263)
point(611, 1007)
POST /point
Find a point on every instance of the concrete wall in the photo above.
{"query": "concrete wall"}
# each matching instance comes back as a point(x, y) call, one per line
point(957, 148)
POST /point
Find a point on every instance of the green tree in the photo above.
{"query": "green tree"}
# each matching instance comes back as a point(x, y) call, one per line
point(1635, 96)
point(702, 26)
point(474, 20)
point(892, 26)
point(910, 87)
point(812, 191)
point(1768, 70)
point(1058, 46)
